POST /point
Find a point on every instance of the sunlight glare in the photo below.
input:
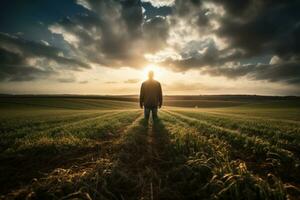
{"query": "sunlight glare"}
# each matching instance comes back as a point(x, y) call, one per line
point(158, 72)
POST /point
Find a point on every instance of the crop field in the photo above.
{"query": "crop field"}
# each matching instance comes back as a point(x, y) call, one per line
point(89, 148)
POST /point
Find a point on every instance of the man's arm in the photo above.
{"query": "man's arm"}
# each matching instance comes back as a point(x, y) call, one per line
point(160, 96)
point(142, 95)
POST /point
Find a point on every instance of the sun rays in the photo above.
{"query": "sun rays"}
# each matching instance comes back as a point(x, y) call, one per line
point(158, 71)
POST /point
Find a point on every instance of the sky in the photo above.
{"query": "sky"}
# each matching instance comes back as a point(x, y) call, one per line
point(106, 47)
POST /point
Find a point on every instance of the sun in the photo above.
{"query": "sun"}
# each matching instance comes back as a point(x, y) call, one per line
point(158, 72)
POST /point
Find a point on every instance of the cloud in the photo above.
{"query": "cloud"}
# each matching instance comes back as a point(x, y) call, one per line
point(32, 49)
point(189, 86)
point(132, 81)
point(13, 67)
point(156, 33)
point(239, 32)
point(202, 55)
point(110, 82)
point(83, 82)
point(160, 3)
point(229, 38)
point(261, 27)
point(288, 72)
point(112, 30)
point(113, 34)
point(192, 36)
point(67, 80)
point(180, 86)
point(23, 60)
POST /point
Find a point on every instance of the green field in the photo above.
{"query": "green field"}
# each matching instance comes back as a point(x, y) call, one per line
point(101, 148)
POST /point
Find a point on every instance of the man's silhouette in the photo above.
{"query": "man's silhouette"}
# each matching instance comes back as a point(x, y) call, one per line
point(150, 96)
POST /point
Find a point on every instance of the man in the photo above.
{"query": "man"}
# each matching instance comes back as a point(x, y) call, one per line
point(150, 96)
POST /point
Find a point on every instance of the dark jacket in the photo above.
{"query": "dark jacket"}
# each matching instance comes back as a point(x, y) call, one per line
point(151, 94)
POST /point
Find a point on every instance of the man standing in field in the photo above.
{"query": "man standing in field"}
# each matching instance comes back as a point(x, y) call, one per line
point(151, 96)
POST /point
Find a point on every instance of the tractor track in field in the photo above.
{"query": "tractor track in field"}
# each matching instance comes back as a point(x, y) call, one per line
point(259, 168)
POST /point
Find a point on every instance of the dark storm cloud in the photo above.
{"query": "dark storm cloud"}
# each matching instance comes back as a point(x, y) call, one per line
point(22, 73)
point(203, 34)
point(265, 27)
point(33, 49)
point(201, 50)
point(272, 27)
point(13, 68)
point(156, 33)
point(251, 29)
point(208, 56)
point(114, 34)
point(235, 7)
point(194, 59)
point(193, 11)
point(22, 60)
point(288, 72)
point(184, 8)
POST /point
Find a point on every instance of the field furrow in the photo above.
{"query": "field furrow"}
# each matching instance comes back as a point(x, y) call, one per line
point(89, 148)
point(14, 122)
point(31, 131)
point(260, 155)
point(291, 117)
point(75, 133)
point(42, 124)
point(62, 146)
point(284, 135)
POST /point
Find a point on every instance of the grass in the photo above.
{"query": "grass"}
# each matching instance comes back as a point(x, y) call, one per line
point(89, 148)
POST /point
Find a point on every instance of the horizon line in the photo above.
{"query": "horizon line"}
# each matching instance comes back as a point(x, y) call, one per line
point(124, 95)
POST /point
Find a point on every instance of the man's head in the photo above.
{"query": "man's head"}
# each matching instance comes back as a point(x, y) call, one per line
point(150, 74)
